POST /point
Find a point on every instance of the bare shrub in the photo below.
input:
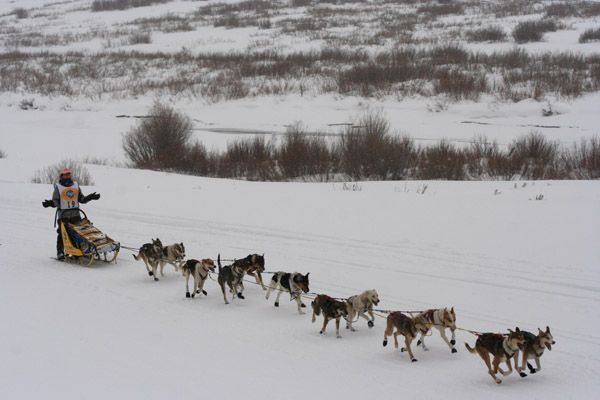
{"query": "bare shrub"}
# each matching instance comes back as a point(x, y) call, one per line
point(20, 13)
point(140, 38)
point(485, 160)
point(582, 161)
point(460, 85)
point(589, 35)
point(302, 155)
point(437, 10)
point(534, 156)
point(533, 31)
point(250, 159)
point(369, 151)
point(442, 160)
point(160, 141)
point(109, 5)
point(488, 34)
point(561, 10)
point(51, 173)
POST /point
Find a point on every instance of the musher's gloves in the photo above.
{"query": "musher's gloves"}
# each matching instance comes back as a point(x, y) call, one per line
point(48, 203)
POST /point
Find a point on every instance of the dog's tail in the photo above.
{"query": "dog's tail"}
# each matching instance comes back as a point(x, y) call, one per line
point(316, 306)
point(219, 262)
point(471, 350)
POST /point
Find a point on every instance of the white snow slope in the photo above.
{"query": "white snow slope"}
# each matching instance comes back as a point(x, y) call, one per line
point(110, 331)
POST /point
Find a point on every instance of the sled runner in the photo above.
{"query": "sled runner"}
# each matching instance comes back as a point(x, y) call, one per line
point(85, 243)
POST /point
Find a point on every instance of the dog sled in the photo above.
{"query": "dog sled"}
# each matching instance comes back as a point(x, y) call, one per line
point(85, 243)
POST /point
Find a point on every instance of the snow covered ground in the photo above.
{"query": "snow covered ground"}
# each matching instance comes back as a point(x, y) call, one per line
point(110, 331)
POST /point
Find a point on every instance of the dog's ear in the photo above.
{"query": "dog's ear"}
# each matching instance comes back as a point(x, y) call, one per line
point(510, 331)
point(517, 330)
point(540, 331)
point(547, 329)
point(452, 310)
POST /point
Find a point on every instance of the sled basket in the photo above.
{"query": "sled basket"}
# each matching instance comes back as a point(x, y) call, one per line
point(83, 239)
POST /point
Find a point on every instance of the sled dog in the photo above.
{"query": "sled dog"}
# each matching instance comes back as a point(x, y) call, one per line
point(253, 264)
point(331, 309)
point(199, 270)
point(534, 349)
point(360, 305)
point(502, 348)
point(172, 254)
point(400, 324)
point(441, 319)
point(294, 283)
point(230, 275)
point(151, 254)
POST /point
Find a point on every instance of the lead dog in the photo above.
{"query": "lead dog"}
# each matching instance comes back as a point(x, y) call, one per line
point(361, 304)
point(294, 283)
point(151, 254)
point(405, 326)
point(172, 254)
point(231, 276)
point(253, 264)
point(503, 348)
point(534, 349)
point(199, 270)
point(441, 319)
point(331, 309)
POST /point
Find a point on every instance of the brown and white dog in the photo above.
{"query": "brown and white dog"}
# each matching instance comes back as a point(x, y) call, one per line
point(294, 283)
point(172, 254)
point(503, 348)
point(400, 324)
point(199, 270)
point(360, 305)
point(534, 349)
point(331, 309)
point(150, 254)
point(441, 319)
point(253, 264)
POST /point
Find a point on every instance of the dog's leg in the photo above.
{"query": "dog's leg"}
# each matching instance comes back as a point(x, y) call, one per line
point(162, 266)
point(442, 331)
point(277, 298)
point(453, 339)
point(325, 322)
point(272, 286)
point(387, 332)
point(224, 292)
point(259, 280)
point(521, 369)
point(371, 322)
point(396, 340)
point(300, 305)
point(187, 285)
point(407, 341)
point(421, 342)
point(201, 286)
point(337, 328)
point(486, 359)
point(147, 266)
point(154, 270)
point(537, 364)
point(510, 368)
point(349, 320)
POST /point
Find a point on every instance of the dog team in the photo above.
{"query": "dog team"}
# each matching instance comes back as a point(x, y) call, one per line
point(493, 348)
